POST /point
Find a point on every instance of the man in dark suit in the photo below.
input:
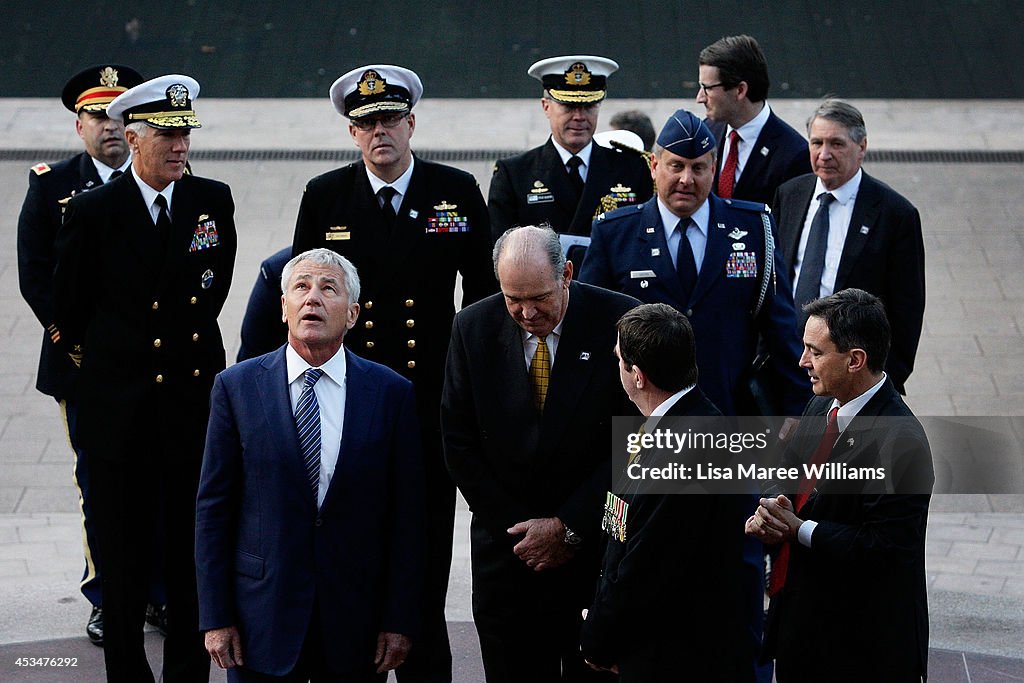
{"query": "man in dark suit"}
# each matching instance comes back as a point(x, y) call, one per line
point(410, 226)
point(669, 555)
point(841, 228)
point(710, 258)
point(567, 181)
point(526, 417)
point(757, 150)
point(144, 264)
point(87, 94)
point(309, 525)
point(849, 600)
point(262, 327)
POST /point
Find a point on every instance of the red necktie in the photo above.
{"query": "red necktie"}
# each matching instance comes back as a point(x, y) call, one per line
point(821, 453)
point(727, 180)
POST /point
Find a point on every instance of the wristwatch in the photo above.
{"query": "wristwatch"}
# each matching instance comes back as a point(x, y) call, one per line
point(571, 537)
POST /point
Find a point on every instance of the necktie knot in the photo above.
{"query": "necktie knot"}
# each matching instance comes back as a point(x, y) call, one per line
point(385, 195)
point(574, 163)
point(117, 174)
point(312, 375)
point(826, 198)
point(734, 137)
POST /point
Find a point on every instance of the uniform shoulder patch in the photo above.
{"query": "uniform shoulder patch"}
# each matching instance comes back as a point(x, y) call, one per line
point(40, 169)
point(748, 206)
point(621, 212)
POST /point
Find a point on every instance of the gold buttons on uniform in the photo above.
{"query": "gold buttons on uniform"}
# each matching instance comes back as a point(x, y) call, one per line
point(193, 300)
point(195, 373)
point(369, 305)
point(156, 305)
point(369, 345)
point(195, 336)
point(409, 303)
point(411, 364)
point(368, 324)
point(159, 379)
point(156, 343)
point(410, 323)
point(411, 343)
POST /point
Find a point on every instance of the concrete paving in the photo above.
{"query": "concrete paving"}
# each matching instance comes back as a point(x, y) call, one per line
point(971, 360)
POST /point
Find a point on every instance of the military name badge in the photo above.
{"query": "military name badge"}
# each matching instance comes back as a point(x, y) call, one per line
point(205, 235)
point(447, 219)
point(616, 511)
point(741, 264)
point(337, 233)
point(539, 194)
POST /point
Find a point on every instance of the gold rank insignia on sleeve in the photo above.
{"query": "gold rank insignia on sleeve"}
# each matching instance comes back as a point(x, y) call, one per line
point(40, 169)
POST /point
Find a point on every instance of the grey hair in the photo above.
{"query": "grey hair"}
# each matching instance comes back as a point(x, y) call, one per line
point(325, 257)
point(843, 113)
point(140, 128)
point(524, 241)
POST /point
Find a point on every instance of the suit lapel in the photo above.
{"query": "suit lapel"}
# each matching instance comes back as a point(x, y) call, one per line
point(650, 236)
point(866, 209)
point(272, 391)
point(183, 226)
point(795, 222)
point(87, 173)
point(758, 162)
point(573, 367)
point(716, 251)
point(136, 224)
point(405, 236)
point(557, 181)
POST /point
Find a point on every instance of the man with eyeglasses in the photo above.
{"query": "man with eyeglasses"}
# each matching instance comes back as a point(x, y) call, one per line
point(567, 181)
point(757, 150)
point(409, 226)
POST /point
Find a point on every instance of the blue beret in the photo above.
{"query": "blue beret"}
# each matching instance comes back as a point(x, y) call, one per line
point(687, 135)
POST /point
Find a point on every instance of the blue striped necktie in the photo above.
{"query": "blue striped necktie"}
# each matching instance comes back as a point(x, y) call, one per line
point(307, 422)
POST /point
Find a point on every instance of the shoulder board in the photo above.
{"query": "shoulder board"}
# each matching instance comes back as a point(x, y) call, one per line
point(40, 169)
point(620, 212)
point(748, 206)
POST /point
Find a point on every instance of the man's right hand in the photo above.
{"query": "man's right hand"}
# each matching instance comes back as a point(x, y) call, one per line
point(225, 647)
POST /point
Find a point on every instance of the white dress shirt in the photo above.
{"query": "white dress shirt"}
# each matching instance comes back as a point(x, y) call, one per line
point(400, 186)
point(583, 154)
point(698, 238)
point(530, 342)
point(748, 133)
point(149, 197)
point(105, 171)
point(839, 213)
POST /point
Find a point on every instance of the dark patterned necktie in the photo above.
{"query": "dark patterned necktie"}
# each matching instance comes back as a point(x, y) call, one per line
point(307, 422)
point(808, 286)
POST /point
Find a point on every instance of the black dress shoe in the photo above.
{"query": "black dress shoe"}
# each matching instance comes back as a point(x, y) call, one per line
point(156, 616)
point(94, 627)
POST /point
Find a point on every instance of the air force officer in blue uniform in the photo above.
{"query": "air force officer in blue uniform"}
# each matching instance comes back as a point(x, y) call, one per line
point(706, 257)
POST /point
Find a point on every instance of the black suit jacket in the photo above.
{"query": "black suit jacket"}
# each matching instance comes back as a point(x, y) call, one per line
point(408, 280)
point(144, 313)
point(681, 567)
point(883, 254)
point(49, 189)
point(779, 153)
point(855, 603)
point(533, 187)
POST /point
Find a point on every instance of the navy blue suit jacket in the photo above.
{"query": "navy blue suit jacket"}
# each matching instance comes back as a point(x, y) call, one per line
point(779, 153)
point(628, 253)
point(264, 553)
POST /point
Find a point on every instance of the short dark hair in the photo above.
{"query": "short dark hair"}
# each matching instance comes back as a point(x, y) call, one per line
point(637, 122)
point(856, 320)
point(739, 58)
point(659, 339)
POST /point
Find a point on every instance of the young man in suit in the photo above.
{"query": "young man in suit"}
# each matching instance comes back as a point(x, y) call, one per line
point(50, 188)
point(757, 151)
point(526, 418)
point(144, 265)
point(310, 519)
point(849, 600)
point(669, 555)
point(841, 228)
point(567, 181)
point(411, 227)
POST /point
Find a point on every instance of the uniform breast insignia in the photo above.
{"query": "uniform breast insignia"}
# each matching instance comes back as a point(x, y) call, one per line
point(446, 219)
point(539, 194)
point(40, 169)
point(206, 279)
point(205, 235)
point(616, 511)
point(739, 246)
point(618, 195)
point(741, 264)
point(737, 233)
point(336, 233)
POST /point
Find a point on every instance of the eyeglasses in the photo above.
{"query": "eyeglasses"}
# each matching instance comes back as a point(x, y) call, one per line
point(711, 86)
point(388, 121)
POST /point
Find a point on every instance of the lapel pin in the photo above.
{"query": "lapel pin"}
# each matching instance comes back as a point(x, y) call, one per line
point(644, 284)
point(584, 355)
point(864, 229)
point(849, 442)
point(650, 231)
point(721, 226)
point(764, 151)
point(655, 251)
point(413, 213)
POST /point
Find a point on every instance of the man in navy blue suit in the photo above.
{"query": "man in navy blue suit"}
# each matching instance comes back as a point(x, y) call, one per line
point(757, 151)
point(311, 508)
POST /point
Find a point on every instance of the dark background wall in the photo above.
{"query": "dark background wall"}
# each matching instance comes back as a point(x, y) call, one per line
point(463, 48)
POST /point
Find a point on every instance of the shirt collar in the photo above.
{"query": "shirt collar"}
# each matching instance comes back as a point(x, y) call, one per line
point(335, 368)
point(565, 154)
point(149, 194)
point(401, 184)
point(845, 192)
point(752, 128)
point(851, 408)
point(105, 171)
point(669, 219)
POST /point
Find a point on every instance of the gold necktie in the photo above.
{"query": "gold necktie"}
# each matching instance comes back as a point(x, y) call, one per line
point(540, 373)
